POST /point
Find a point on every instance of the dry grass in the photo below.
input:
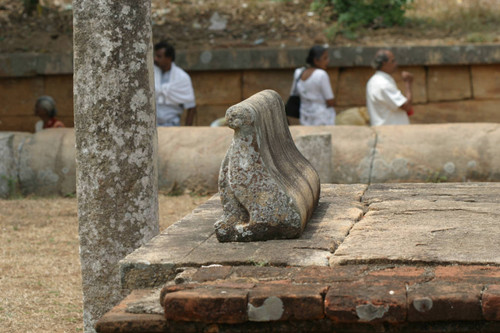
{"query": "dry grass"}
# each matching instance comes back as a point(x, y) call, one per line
point(40, 282)
point(476, 20)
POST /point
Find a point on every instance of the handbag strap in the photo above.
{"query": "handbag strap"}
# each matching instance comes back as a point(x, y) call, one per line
point(294, 92)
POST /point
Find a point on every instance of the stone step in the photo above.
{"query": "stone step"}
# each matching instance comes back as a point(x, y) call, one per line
point(380, 257)
point(357, 298)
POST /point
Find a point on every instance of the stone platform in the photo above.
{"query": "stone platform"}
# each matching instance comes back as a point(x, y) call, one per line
point(374, 258)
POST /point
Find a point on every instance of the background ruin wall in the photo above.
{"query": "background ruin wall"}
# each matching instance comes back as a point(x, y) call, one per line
point(452, 84)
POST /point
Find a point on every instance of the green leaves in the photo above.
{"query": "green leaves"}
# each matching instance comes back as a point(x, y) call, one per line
point(353, 14)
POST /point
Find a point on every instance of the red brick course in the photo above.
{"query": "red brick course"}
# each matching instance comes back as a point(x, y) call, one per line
point(485, 274)
point(299, 302)
point(364, 297)
point(444, 301)
point(366, 301)
point(211, 273)
point(209, 305)
point(491, 302)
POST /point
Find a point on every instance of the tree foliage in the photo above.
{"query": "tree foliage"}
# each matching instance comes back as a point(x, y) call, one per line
point(353, 14)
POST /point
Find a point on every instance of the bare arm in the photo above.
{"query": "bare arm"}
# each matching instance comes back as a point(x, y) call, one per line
point(408, 80)
point(330, 102)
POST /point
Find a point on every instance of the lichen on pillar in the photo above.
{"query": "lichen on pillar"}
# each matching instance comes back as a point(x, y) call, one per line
point(116, 143)
point(268, 189)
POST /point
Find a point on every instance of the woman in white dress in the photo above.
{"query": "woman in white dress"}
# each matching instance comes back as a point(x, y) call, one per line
point(315, 90)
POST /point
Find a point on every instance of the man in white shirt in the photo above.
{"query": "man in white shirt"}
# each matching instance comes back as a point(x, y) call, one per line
point(385, 103)
point(173, 89)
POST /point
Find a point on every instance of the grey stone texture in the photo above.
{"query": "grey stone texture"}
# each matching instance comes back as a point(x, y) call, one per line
point(385, 225)
point(11, 146)
point(387, 154)
point(426, 223)
point(15, 65)
point(447, 152)
point(317, 149)
point(116, 143)
point(268, 189)
point(177, 149)
point(47, 164)
point(7, 167)
point(192, 241)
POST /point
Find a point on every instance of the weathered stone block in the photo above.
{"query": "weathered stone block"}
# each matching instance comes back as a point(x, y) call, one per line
point(486, 81)
point(418, 222)
point(317, 149)
point(15, 123)
point(333, 74)
point(8, 174)
point(54, 170)
point(268, 189)
point(403, 153)
point(177, 170)
point(66, 164)
point(351, 150)
point(217, 88)
point(448, 83)
point(278, 80)
point(19, 96)
point(60, 87)
point(471, 111)
point(351, 87)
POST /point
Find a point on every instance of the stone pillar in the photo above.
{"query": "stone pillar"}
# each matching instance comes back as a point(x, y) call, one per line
point(116, 142)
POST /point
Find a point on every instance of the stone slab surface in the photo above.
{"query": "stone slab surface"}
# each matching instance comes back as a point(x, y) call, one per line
point(454, 223)
point(192, 241)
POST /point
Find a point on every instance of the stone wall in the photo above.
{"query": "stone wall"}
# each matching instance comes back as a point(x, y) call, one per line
point(44, 163)
point(452, 84)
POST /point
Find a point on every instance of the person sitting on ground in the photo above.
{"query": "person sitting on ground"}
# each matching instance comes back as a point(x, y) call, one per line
point(173, 89)
point(385, 103)
point(314, 89)
point(45, 108)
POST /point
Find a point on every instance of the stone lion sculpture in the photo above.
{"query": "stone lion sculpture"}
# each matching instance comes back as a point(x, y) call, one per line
point(268, 189)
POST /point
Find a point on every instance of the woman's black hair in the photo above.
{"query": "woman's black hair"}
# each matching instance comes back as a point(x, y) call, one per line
point(48, 104)
point(315, 53)
point(169, 49)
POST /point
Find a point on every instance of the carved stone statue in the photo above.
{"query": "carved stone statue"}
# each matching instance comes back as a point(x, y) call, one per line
point(268, 189)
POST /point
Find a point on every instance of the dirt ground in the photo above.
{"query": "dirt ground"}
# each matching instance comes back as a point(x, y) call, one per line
point(40, 280)
point(202, 24)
